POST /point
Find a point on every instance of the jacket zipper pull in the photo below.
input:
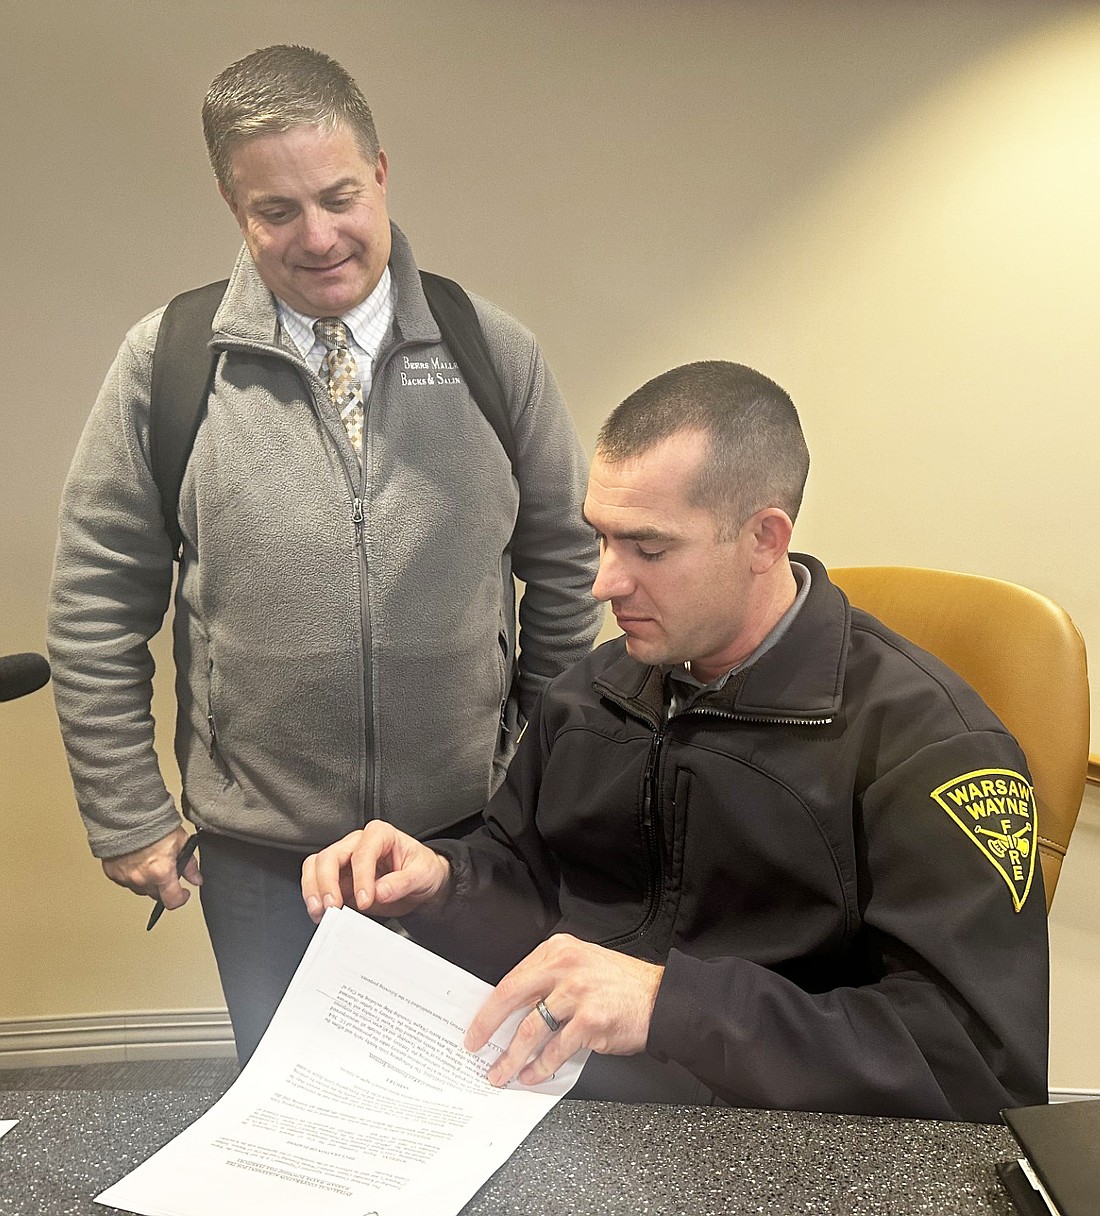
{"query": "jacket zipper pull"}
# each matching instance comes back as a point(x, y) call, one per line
point(213, 734)
point(650, 780)
point(357, 520)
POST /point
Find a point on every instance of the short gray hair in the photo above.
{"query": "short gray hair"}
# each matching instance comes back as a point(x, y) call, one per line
point(757, 455)
point(275, 89)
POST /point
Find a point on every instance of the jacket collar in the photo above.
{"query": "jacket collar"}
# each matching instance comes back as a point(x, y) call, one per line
point(800, 679)
point(414, 319)
point(247, 312)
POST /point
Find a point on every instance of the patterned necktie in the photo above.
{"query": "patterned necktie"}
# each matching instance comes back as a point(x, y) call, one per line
point(340, 373)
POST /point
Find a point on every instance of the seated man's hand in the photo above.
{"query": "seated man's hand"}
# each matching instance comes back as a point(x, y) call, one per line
point(602, 1000)
point(376, 869)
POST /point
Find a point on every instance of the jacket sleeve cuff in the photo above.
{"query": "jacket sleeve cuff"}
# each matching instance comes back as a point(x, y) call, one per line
point(682, 1014)
point(441, 908)
point(674, 1009)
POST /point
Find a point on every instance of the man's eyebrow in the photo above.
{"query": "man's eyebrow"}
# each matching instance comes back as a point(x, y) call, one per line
point(645, 533)
point(648, 534)
point(343, 184)
point(272, 200)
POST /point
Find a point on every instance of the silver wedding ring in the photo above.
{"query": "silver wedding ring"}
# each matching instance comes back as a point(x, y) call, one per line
point(552, 1022)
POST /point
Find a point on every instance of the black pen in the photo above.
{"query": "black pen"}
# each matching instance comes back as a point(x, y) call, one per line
point(182, 858)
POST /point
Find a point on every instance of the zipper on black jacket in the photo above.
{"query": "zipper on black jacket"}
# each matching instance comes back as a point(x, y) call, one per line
point(651, 818)
point(765, 719)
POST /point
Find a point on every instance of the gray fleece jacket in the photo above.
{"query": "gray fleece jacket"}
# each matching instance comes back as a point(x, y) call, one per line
point(343, 639)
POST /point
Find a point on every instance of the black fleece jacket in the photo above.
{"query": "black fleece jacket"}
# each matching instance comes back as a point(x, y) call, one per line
point(834, 857)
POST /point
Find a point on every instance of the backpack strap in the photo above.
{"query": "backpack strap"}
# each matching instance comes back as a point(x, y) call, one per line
point(457, 320)
point(183, 371)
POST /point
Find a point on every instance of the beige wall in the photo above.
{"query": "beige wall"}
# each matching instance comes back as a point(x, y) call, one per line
point(890, 208)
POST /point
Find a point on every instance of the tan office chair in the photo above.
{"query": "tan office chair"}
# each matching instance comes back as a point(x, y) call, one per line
point(1024, 656)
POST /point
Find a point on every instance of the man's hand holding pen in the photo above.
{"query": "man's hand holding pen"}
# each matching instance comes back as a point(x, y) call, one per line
point(157, 870)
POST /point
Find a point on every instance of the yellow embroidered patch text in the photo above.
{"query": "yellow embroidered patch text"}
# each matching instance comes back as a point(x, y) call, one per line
point(995, 807)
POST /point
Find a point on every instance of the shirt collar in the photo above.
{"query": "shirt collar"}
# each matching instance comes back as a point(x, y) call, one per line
point(367, 323)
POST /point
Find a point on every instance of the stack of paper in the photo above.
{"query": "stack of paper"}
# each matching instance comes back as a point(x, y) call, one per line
point(360, 1097)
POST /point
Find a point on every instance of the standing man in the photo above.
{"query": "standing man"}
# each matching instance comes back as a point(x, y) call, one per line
point(345, 610)
point(740, 852)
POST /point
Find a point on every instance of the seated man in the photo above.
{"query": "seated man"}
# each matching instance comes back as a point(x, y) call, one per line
point(741, 852)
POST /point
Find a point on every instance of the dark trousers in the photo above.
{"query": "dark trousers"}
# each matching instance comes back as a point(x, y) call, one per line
point(252, 903)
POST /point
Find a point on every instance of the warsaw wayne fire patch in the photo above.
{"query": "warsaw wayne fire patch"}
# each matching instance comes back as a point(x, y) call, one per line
point(995, 807)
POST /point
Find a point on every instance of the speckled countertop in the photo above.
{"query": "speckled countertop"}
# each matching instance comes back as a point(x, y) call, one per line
point(585, 1157)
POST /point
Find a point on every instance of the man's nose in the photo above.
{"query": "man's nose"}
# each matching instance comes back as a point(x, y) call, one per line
point(318, 232)
point(611, 580)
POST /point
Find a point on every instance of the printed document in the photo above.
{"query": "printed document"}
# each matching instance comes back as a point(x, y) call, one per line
point(359, 1099)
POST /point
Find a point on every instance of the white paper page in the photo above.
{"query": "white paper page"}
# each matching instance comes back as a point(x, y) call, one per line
point(6, 1125)
point(360, 1097)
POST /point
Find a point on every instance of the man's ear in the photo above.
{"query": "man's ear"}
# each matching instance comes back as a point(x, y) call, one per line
point(770, 534)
